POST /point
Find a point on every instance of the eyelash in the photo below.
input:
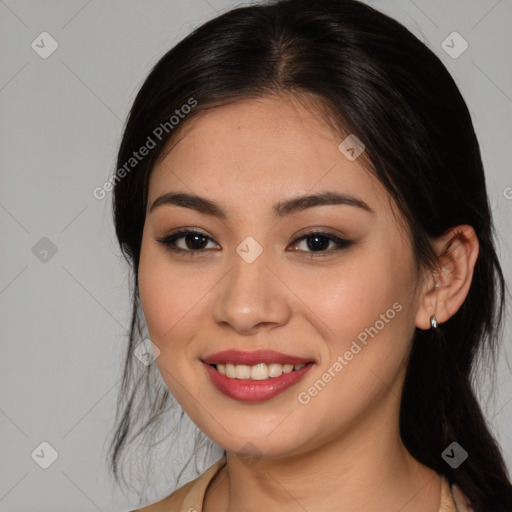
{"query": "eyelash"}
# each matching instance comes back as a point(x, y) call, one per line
point(169, 240)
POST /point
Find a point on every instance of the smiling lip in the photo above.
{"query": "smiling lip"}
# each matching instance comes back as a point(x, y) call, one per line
point(253, 357)
point(249, 390)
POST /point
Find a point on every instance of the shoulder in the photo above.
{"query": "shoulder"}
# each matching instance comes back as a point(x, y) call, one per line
point(171, 502)
point(188, 497)
point(452, 498)
point(462, 502)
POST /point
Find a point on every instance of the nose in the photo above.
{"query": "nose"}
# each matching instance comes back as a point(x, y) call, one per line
point(252, 296)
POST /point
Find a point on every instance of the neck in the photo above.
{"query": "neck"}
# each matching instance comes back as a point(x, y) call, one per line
point(367, 468)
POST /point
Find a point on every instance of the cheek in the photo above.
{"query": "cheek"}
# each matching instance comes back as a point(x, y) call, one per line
point(354, 298)
point(367, 317)
point(162, 303)
point(163, 308)
point(173, 299)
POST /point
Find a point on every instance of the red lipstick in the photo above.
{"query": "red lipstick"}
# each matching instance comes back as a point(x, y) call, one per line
point(254, 357)
point(249, 390)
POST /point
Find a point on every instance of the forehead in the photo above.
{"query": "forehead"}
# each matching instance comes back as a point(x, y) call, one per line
point(261, 150)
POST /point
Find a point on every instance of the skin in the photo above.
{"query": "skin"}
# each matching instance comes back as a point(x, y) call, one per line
point(342, 450)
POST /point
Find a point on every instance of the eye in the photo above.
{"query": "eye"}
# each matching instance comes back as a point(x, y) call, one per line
point(318, 241)
point(195, 242)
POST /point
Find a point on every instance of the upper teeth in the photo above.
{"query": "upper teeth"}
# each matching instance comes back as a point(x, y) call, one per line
point(259, 371)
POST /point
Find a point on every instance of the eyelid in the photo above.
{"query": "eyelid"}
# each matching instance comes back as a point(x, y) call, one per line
point(167, 240)
point(341, 242)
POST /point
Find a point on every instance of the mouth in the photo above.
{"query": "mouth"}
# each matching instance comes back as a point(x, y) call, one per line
point(260, 371)
point(257, 375)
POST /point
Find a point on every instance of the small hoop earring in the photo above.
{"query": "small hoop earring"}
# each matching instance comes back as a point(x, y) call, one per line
point(433, 322)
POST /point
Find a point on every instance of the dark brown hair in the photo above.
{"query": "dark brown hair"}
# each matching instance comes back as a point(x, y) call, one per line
point(384, 85)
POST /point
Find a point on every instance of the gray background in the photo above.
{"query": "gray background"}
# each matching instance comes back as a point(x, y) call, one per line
point(63, 320)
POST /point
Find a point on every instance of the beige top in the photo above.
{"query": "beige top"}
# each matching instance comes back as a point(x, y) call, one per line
point(189, 498)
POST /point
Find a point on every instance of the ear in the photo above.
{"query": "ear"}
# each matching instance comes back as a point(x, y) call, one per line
point(446, 289)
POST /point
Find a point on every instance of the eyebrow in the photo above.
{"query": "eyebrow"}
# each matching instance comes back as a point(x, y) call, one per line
point(281, 209)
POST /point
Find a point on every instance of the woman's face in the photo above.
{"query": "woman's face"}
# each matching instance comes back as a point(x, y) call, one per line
point(247, 282)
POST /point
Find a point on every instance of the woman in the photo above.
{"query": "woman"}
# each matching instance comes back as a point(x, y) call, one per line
point(301, 197)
